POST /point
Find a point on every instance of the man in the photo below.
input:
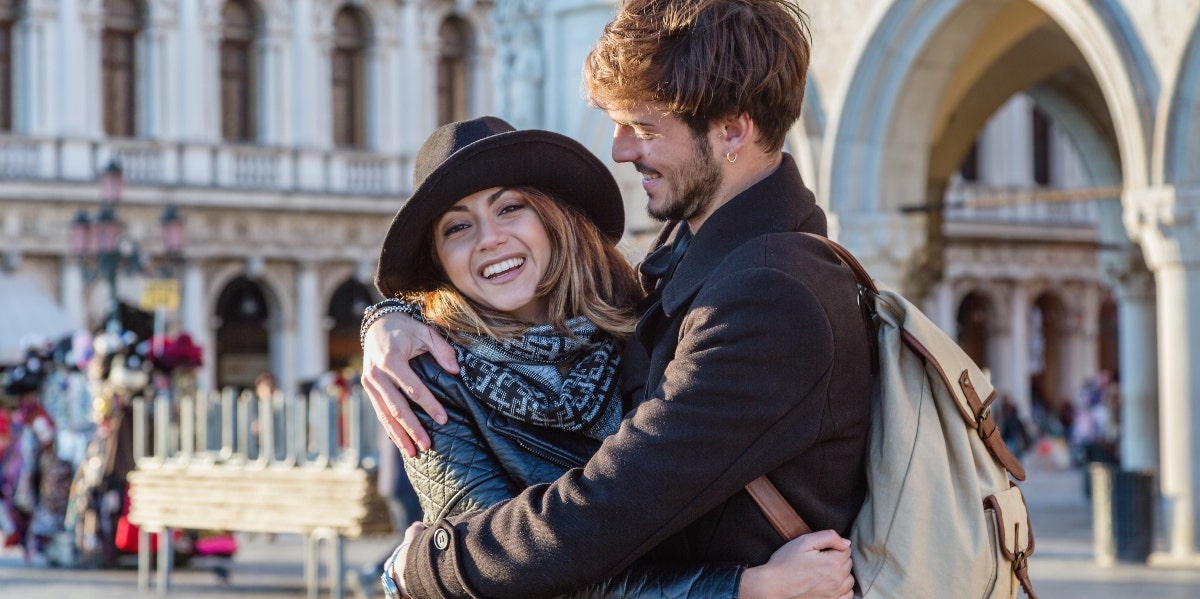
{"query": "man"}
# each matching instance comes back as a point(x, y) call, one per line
point(751, 355)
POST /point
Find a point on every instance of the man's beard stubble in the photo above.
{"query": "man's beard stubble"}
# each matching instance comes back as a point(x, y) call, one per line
point(698, 181)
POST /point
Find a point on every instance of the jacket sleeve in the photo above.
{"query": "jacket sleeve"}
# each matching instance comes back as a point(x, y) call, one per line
point(693, 443)
point(460, 475)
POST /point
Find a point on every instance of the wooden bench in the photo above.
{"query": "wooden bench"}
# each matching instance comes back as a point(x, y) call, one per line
point(327, 496)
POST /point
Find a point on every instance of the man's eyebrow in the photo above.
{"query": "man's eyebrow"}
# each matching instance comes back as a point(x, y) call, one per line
point(634, 123)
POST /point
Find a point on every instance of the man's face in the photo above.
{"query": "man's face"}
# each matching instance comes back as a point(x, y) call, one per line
point(679, 172)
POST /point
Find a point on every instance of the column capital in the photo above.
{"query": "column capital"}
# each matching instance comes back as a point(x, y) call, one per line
point(1165, 221)
point(1126, 272)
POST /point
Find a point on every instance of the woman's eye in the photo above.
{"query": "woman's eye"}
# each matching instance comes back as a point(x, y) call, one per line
point(454, 228)
point(511, 208)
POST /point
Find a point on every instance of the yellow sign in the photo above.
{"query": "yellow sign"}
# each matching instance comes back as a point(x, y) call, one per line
point(160, 293)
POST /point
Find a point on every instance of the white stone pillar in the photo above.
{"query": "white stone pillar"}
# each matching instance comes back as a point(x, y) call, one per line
point(34, 86)
point(1018, 322)
point(1080, 356)
point(193, 320)
point(1089, 353)
point(311, 346)
point(1000, 343)
point(1134, 288)
point(1166, 222)
point(272, 112)
point(940, 307)
point(72, 291)
point(305, 85)
point(190, 98)
point(1179, 384)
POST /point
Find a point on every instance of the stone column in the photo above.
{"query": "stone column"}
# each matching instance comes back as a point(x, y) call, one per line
point(1000, 341)
point(193, 320)
point(1081, 358)
point(311, 346)
point(940, 307)
point(1018, 322)
point(72, 292)
point(34, 86)
point(1133, 285)
point(1166, 222)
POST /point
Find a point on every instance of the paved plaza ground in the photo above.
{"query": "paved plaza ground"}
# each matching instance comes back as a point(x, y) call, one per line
point(264, 568)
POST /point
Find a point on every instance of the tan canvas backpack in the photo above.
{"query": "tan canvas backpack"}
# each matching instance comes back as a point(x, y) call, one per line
point(943, 517)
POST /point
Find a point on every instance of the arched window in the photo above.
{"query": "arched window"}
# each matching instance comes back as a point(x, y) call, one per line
point(1041, 147)
point(238, 76)
point(349, 78)
point(453, 74)
point(243, 339)
point(345, 310)
point(118, 50)
point(8, 18)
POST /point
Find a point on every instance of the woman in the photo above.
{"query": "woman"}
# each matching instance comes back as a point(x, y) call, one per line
point(508, 247)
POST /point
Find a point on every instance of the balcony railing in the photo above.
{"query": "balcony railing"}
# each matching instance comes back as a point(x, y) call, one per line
point(20, 158)
point(228, 166)
point(1036, 206)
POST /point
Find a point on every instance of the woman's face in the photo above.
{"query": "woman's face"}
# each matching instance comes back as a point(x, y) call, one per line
point(494, 248)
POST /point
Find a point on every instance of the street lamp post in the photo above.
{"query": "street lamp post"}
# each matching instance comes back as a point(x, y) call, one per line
point(103, 240)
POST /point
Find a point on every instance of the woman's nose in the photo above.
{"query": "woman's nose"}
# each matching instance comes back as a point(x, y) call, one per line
point(491, 234)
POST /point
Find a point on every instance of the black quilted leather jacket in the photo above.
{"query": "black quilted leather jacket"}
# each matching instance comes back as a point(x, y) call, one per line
point(480, 457)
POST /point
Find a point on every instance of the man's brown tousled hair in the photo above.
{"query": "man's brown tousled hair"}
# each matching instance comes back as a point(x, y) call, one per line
point(704, 60)
point(587, 276)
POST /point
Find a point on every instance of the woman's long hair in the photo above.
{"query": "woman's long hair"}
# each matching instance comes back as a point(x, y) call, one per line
point(587, 276)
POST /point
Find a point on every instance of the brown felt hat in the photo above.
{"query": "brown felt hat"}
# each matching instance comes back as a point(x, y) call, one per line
point(466, 157)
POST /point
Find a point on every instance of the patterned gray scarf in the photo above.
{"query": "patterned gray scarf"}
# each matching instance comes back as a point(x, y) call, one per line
point(520, 377)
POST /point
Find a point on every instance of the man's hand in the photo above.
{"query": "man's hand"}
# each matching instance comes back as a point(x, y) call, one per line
point(815, 565)
point(401, 558)
point(390, 343)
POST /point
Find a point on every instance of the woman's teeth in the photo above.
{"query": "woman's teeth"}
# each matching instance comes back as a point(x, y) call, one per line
point(502, 267)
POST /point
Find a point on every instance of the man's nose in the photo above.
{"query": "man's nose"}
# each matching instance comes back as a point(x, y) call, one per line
point(623, 147)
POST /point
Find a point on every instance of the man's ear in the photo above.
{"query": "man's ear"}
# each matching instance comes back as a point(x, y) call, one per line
point(736, 131)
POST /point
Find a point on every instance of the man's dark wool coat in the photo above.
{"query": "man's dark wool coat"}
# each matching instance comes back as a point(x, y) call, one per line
point(756, 360)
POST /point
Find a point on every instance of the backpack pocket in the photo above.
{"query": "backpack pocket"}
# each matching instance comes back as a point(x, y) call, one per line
point(1013, 533)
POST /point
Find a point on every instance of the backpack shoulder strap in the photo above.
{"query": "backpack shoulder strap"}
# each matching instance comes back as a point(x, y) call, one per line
point(782, 515)
point(843, 254)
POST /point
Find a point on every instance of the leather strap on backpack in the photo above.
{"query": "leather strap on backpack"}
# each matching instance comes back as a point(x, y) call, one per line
point(786, 521)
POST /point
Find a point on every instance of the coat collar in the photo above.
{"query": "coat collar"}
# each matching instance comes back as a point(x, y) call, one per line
point(777, 204)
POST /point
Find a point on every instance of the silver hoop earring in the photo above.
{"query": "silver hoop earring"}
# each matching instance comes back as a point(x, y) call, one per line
point(731, 157)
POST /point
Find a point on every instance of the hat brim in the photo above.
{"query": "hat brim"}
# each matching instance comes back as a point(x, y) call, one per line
point(547, 161)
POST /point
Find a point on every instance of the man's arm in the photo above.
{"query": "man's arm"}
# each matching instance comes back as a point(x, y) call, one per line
point(388, 344)
point(815, 565)
point(735, 403)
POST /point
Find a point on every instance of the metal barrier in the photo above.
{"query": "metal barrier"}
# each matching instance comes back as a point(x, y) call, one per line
point(231, 461)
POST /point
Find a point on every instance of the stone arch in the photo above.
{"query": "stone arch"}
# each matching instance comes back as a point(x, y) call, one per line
point(343, 311)
point(973, 319)
point(1178, 138)
point(243, 339)
point(435, 14)
point(803, 141)
point(878, 158)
